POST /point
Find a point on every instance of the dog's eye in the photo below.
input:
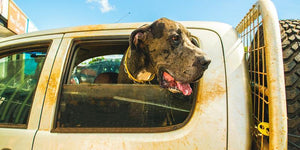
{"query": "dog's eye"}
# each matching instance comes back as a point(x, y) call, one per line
point(195, 42)
point(175, 38)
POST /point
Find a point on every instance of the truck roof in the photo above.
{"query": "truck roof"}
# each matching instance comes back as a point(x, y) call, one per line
point(214, 26)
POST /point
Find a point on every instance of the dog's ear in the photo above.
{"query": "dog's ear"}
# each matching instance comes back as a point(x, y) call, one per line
point(139, 60)
point(138, 37)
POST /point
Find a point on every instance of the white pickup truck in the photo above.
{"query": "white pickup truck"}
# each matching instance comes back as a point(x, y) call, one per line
point(49, 100)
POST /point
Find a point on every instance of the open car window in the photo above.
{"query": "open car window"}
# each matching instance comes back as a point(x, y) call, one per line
point(92, 99)
point(100, 69)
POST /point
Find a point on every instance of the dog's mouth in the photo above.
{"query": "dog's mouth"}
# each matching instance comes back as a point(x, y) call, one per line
point(167, 81)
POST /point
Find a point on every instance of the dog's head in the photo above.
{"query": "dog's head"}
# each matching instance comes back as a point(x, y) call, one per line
point(171, 53)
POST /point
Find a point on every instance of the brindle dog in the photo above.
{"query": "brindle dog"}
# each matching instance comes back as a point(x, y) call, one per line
point(168, 50)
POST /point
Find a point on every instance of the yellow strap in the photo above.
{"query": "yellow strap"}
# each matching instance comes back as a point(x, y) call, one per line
point(263, 128)
point(130, 75)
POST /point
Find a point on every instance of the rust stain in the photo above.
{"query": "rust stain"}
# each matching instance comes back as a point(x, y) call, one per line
point(89, 27)
point(211, 91)
point(55, 77)
point(105, 27)
point(53, 86)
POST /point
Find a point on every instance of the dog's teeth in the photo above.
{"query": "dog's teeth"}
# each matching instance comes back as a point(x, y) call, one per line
point(173, 90)
point(186, 92)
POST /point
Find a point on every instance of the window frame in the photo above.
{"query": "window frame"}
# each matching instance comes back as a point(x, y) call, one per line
point(18, 48)
point(66, 74)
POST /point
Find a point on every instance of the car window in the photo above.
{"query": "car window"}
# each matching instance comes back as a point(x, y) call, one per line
point(97, 70)
point(92, 100)
point(19, 73)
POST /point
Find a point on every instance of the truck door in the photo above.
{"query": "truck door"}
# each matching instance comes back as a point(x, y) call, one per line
point(25, 65)
point(79, 113)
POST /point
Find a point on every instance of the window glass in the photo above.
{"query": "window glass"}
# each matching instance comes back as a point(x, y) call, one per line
point(19, 74)
point(91, 96)
point(88, 70)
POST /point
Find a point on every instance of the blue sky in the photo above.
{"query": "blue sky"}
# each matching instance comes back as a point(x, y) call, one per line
point(49, 14)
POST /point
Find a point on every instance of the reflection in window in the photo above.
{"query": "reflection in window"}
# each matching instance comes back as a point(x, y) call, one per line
point(19, 74)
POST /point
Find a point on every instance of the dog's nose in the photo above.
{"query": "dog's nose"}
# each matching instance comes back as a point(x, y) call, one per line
point(202, 61)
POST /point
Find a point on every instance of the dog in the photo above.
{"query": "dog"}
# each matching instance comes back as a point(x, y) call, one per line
point(167, 50)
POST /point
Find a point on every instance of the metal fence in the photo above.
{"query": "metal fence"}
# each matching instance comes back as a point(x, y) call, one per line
point(260, 33)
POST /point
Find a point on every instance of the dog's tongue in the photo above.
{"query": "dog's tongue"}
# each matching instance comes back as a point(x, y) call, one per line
point(185, 88)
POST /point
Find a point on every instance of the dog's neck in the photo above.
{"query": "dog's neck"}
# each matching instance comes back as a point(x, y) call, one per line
point(137, 67)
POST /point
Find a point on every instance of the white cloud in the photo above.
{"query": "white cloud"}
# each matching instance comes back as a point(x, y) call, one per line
point(103, 5)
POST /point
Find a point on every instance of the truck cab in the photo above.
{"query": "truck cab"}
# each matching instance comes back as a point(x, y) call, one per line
point(50, 100)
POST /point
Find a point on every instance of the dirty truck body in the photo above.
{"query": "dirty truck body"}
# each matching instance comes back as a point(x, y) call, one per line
point(210, 113)
point(55, 105)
